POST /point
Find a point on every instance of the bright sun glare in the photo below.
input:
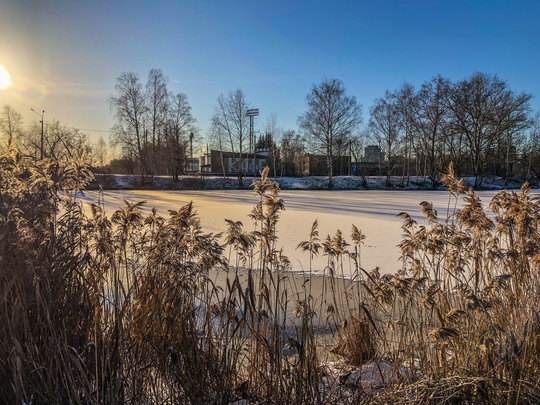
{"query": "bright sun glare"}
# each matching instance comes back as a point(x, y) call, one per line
point(5, 78)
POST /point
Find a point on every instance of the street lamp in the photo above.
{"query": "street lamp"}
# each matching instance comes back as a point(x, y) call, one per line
point(41, 115)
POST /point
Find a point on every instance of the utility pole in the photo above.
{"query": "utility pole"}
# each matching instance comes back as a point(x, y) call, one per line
point(41, 115)
point(350, 157)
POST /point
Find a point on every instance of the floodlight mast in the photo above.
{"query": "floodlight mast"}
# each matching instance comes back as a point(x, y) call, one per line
point(252, 112)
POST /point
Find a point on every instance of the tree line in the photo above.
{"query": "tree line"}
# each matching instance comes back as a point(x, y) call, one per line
point(478, 123)
point(53, 141)
point(154, 128)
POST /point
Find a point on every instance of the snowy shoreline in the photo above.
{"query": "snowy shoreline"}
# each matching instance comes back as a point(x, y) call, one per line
point(194, 182)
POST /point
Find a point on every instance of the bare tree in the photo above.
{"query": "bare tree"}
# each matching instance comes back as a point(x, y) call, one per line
point(59, 141)
point(129, 107)
point(430, 113)
point(273, 133)
point(384, 124)
point(62, 142)
point(29, 142)
point(10, 124)
point(129, 153)
point(531, 152)
point(230, 118)
point(292, 146)
point(157, 98)
point(100, 151)
point(357, 145)
point(218, 139)
point(179, 126)
point(405, 97)
point(330, 119)
point(484, 109)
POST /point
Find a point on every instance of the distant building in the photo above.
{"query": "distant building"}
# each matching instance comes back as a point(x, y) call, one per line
point(370, 164)
point(220, 162)
point(317, 165)
point(192, 165)
point(372, 154)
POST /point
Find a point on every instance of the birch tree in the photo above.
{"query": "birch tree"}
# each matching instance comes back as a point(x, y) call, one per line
point(292, 146)
point(129, 107)
point(483, 109)
point(384, 125)
point(230, 118)
point(10, 124)
point(331, 117)
point(430, 115)
point(179, 126)
point(157, 99)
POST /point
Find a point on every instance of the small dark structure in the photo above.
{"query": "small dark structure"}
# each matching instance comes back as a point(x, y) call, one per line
point(317, 165)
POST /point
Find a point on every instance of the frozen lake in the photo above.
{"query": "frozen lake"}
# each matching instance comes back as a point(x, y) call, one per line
point(373, 212)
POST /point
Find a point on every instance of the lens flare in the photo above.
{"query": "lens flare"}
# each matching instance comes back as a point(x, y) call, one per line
point(5, 78)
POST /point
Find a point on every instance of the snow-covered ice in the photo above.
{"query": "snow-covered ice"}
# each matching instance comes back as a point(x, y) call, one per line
point(374, 212)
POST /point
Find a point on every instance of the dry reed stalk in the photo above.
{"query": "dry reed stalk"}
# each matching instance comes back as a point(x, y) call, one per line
point(125, 309)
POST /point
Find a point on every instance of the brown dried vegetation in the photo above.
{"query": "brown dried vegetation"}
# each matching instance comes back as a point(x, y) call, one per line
point(126, 309)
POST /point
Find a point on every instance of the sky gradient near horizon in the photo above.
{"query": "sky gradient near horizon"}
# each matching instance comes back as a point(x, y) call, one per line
point(64, 56)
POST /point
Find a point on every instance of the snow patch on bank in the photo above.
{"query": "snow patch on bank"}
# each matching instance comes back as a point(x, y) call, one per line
point(123, 182)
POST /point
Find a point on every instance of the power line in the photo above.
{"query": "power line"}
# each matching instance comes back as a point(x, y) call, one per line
point(80, 129)
point(93, 130)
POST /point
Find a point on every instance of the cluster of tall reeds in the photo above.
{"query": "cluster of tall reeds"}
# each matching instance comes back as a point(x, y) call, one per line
point(145, 309)
point(124, 309)
point(459, 323)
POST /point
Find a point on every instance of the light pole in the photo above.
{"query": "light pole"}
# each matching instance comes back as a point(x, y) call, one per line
point(251, 113)
point(41, 115)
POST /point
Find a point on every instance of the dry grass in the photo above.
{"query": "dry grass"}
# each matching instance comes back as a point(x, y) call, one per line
point(126, 309)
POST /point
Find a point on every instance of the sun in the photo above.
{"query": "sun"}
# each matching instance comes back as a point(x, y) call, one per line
point(5, 78)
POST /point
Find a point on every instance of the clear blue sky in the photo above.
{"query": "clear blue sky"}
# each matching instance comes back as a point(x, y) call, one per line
point(65, 55)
